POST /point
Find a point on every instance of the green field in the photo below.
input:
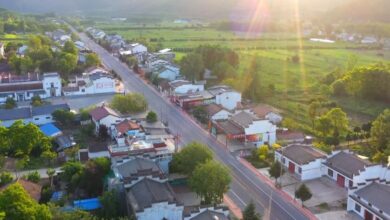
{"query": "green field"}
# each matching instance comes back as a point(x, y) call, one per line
point(294, 82)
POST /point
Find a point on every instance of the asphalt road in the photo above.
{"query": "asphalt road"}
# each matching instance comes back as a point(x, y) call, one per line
point(245, 186)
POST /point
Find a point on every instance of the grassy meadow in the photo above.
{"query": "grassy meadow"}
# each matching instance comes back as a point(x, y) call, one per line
point(293, 81)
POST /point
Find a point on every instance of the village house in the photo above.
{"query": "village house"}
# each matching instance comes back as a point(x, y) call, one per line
point(267, 112)
point(192, 99)
point(209, 213)
point(217, 112)
point(37, 115)
point(22, 88)
point(93, 82)
point(371, 202)
point(168, 72)
point(225, 96)
point(247, 128)
point(104, 115)
point(304, 161)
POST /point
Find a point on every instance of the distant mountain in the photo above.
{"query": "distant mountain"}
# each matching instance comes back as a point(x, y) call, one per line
point(206, 9)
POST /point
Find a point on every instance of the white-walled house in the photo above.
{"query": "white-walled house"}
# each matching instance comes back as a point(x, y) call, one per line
point(371, 202)
point(209, 213)
point(168, 72)
point(188, 88)
point(267, 112)
point(152, 198)
point(225, 96)
point(247, 128)
point(93, 83)
point(36, 115)
point(24, 87)
point(217, 112)
point(104, 115)
point(344, 166)
point(138, 48)
point(302, 160)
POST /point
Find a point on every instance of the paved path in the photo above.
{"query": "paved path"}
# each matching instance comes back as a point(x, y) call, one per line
point(245, 186)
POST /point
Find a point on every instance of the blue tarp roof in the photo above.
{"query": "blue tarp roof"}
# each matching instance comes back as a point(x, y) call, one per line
point(57, 195)
point(50, 129)
point(87, 204)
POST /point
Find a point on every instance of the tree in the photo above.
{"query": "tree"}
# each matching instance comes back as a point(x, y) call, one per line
point(192, 67)
point(210, 181)
point(93, 175)
point(36, 101)
point(66, 63)
point(27, 139)
point(151, 117)
point(275, 170)
point(224, 70)
point(5, 178)
point(303, 193)
point(50, 172)
point(103, 132)
point(191, 156)
point(380, 134)
point(262, 152)
point(313, 111)
point(200, 114)
point(250, 212)
point(253, 91)
point(10, 103)
point(129, 103)
point(91, 60)
point(111, 206)
point(333, 124)
point(17, 204)
point(33, 177)
point(63, 116)
point(70, 47)
point(72, 153)
point(49, 156)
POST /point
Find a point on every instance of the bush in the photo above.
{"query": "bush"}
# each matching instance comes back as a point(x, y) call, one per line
point(64, 117)
point(36, 101)
point(10, 103)
point(33, 177)
point(5, 178)
point(151, 117)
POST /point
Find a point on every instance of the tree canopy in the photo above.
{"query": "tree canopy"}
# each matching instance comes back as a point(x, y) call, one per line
point(17, 204)
point(303, 193)
point(210, 181)
point(129, 103)
point(192, 67)
point(190, 157)
point(250, 213)
point(92, 59)
point(380, 134)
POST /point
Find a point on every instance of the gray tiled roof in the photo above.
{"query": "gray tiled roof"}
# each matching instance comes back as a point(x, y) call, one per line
point(14, 114)
point(302, 154)
point(376, 194)
point(244, 119)
point(48, 109)
point(147, 192)
point(347, 163)
point(28, 112)
point(210, 215)
point(133, 167)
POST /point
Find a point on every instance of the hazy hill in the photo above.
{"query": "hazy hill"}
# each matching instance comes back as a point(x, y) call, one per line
point(215, 9)
point(362, 10)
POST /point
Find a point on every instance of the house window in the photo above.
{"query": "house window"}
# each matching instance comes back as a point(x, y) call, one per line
point(358, 207)
point(83, 90)
point(36, 119)
point(369, 204)
point(380, 211)
point(283, 160)
point(330, 172)
point(48, 117)
point(299, 170)
point(350, 183)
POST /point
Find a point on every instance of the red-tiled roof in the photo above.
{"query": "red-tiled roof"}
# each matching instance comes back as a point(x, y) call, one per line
point(213, 108)
point(261, 110)
point(102, 112)
point(126, 125)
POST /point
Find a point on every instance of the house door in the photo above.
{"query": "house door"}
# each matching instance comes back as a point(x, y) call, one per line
point(291, 167)
point(368, 215)
point(340, 180)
